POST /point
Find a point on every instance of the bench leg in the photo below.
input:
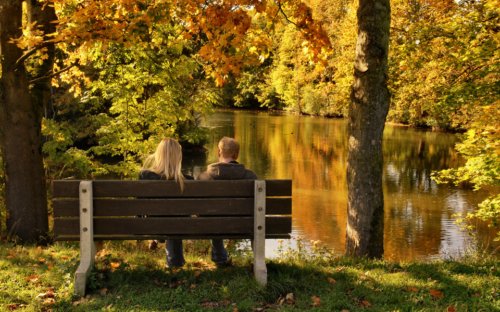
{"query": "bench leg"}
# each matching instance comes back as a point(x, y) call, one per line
point(259, 241)
point(87, 246)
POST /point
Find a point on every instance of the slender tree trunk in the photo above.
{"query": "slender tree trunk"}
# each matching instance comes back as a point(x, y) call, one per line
point(367, 113)
point(44, 16)
point(20, 117)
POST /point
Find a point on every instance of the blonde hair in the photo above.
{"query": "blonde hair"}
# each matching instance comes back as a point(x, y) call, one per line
point(167, 161)
point(229, 147)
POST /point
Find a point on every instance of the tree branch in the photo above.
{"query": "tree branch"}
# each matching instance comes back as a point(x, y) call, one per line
point(280, 9)
point(33, 51)
point(54, 74)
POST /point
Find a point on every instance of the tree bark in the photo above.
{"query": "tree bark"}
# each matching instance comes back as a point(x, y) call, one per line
point(367, 114)
point(25, 192)
point(44, 16)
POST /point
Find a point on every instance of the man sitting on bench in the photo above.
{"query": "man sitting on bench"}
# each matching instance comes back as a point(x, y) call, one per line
point(226, 169)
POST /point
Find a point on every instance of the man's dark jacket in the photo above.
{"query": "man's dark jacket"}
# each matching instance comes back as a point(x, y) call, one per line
point(227, 171)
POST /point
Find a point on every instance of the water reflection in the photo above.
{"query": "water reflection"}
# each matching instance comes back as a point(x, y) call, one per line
point(312, 152)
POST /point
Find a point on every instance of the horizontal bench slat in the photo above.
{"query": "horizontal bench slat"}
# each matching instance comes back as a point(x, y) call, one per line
point(173, 226)
point(150, 188)
point(162, 237)
point(172, 206)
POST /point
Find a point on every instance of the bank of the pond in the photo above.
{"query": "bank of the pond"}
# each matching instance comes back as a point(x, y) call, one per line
point(129, 277)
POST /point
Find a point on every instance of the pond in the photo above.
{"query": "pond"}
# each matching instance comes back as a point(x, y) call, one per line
point(312, 151)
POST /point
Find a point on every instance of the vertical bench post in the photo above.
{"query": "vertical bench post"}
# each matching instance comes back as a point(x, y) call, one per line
point(87, 246)
point(259, 230)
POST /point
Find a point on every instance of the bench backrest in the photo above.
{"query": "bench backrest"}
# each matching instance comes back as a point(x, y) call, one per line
point(158, 209)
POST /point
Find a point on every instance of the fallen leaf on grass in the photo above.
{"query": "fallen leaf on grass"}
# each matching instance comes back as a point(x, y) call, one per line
point(201, 264)
point(32, 278)
point(451, 309)
point(215, 304)
point(288, 299)
point(49, 301)
point(331, 280)
point(115, 265)
point(42, 260)
point(13, 306)
point(48, 294)
point(365, 303)
point(316, 301)
point(436, 294)
point(102, 253)
point(412, 289)
point(12, 254)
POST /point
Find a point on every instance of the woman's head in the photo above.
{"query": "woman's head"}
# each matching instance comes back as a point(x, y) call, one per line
point(167, 160)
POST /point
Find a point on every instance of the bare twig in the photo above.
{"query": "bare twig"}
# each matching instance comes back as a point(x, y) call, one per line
point(280, 9)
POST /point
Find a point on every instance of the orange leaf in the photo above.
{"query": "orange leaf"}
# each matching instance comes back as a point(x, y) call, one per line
point(331, 280)
point(436, 294)
point(115, 265)
point(316, 301)
point(451, 309)
point(365, 303)
point(32, 278)
point(412, 289)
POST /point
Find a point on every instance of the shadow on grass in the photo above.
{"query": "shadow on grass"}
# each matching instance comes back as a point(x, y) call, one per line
point(128, 278)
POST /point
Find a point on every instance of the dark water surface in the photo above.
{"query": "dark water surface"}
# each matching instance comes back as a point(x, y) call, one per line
point(419, 222)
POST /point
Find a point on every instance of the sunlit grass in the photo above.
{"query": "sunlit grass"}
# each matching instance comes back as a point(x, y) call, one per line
point(130, 277)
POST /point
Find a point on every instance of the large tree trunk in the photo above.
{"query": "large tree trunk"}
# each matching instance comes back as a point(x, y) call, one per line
point(20, 117)
point(367, 114)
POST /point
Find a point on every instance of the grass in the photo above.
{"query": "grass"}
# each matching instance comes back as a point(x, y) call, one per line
point(129, 277)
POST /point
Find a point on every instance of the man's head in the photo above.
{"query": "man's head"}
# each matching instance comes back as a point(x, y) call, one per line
point(229, 149)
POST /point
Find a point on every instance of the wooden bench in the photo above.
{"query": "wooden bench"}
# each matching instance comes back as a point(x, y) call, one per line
point(111, 210)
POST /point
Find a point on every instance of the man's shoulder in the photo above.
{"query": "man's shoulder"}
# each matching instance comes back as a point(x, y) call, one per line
point(249, 174)
point(228, 171)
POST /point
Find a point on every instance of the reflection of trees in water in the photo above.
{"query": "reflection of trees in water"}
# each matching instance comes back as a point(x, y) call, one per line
point(411, 156)
point(312, 151)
